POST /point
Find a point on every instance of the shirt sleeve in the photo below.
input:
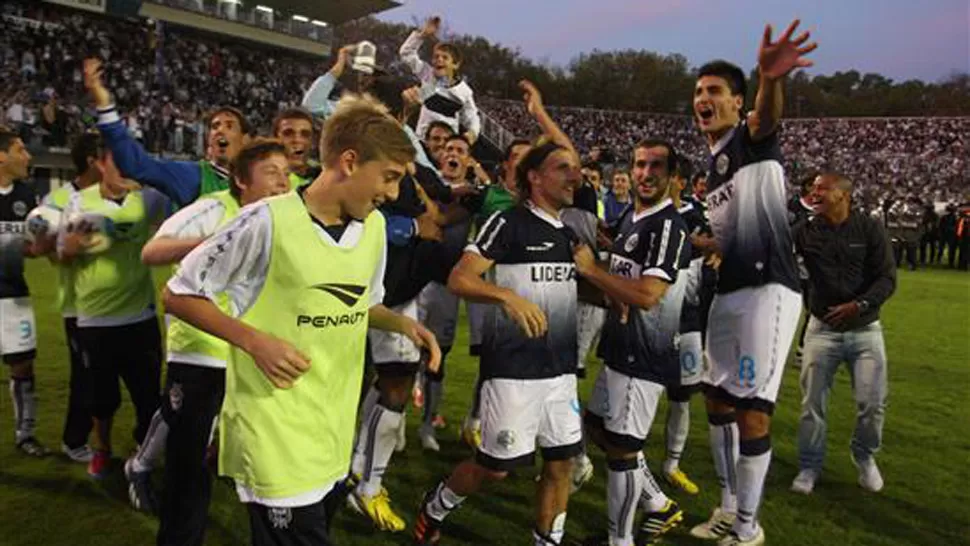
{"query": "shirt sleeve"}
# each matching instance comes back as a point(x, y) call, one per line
point(200, 219)
point(179, 180)
point(492, 242)
point(235, 261)
point(409, 55)
point(879, 258)
point(377, 280)
point(667, 247)
point(317, 98)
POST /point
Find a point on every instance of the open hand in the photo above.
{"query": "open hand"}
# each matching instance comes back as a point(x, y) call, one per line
point(280, 362)
point(94, 82)
point(777, 59)
point(431, 27)
point(531, 96)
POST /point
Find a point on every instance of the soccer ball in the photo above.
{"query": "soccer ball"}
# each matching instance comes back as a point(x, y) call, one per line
point(43, 221)
point(99, 227)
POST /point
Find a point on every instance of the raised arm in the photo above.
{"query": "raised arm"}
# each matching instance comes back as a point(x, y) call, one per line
point(317, 97)
point(775, 61)
point(411, 46)
point(535, 107)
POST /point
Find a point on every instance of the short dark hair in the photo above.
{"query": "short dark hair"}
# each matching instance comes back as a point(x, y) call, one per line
point(450, 49)
point(685, 169)
point(512, 145)
point(235, 112)
point(730, 72)
point(462, 138)
point(252, 153)
point(531, 161)
point(672, 158)
point(697, 176)
point(7, 138)
point(88, 145)
point(437, 124)
point(291, 113)
point(594, 166)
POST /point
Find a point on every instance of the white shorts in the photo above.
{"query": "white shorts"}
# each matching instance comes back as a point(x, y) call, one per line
point(626, 405)
point(389, 347)
point(438, 310)
point(589, 321)
point(18, 331)
point(518, 413)
point(693, 369)
point(749, 333)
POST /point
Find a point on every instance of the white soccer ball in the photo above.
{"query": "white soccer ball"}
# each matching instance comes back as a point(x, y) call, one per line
point(43, 221)
point(98, 226)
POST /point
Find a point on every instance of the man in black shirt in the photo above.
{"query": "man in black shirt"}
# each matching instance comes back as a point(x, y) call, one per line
point(852, 273)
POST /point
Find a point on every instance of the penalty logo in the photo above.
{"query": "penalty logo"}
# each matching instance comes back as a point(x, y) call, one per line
point(280, 518)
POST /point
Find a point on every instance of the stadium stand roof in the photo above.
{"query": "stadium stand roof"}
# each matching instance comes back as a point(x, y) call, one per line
point(333, 12)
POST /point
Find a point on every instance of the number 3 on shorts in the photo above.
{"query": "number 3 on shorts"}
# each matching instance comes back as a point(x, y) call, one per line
point(746, 372)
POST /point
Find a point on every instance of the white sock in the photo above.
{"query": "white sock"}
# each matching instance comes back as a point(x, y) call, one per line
point(366, 411)
point(370, 400)
point(678, 426)
point(653, 498)
point(152, 446)
point(624, 486)
point(443, 502)
point(725, 449)
point(375, 447)
point(24, 407)
point(752, 470)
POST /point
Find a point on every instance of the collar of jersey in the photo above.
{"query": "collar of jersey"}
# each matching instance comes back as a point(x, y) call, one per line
point(637, 216)
point(720, 144)
point(222, 172)
point(543, 215)
point(685, 207)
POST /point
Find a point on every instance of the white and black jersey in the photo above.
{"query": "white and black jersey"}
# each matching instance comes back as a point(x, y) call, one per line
point(748, 211)
point(655, 243)
point(533, 257)
point(691, 315)
point(16, 201)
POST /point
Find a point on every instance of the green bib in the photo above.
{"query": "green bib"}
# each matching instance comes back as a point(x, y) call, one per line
point(61, 198)
point(115, 283)
point(183, 339)
point(286, 442)
point(497, 199)
point(211, 181)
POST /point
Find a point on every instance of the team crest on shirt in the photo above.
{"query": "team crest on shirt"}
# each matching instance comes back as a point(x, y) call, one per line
point(280, 518)
point(722, 164)
point(631, 242)
point(175, 396)
point(20, 208)
point(506, 439)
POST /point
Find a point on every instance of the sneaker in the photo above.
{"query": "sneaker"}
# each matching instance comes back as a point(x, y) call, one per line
point(32, 447)
point(402, 437)
point(417, 396)
point(427, 530)
point(140, 493)
point(655, 524)
point(378, 509)
point(582, 472)
point(438, 421)
point(732, 539)
point(870, 478)
point(81, 454)
point(98, 466)
point(804, 482)
point(715, 528)
point(428, 440)
point(471, 432)
point(678, 479)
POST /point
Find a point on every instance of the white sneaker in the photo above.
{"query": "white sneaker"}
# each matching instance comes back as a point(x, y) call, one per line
point(715, 528)
point(402, 437)
point(428, 440)
point(870, 478)
point(582, 472)
point(804, 482)
point(82, 454)
point(732, 539)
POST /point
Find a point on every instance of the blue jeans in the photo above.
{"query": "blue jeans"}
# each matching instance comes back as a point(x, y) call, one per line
point(825, 350)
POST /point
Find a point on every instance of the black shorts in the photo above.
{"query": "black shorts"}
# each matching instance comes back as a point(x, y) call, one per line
point(300, 526)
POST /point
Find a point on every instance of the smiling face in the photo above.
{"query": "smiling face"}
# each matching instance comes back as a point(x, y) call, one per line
point(827, 195)
point(651, 177)
point(716, 109)
point(370, 184)
point(297, 137)
point(621, 185)
point(444, 63)
point(438, 136)
point(267, 177)
point(556, 180)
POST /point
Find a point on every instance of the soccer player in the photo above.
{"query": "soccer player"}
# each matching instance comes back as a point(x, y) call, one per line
point(691, 346)
point(181, 181)
point(638, 342)
point(528, 367)
point(303, 274)
point(117, 329)
point(445, 95)
point(294, 128)
point(755, 313)
point(852, 274)
point(18, 333)
point(196, 361)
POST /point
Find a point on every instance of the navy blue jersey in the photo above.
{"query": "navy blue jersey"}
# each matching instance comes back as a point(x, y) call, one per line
point(692, 314)
point(748, 211)
point(653, 242)
point(15, 202)
point(533, 257)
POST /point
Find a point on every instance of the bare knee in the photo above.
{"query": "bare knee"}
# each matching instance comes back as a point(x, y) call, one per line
point(753, 423)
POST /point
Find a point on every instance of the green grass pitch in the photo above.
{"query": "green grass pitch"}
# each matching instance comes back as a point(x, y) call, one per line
point(925, 458)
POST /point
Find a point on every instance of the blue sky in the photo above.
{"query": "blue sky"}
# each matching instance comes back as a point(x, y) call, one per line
point(901, 39)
